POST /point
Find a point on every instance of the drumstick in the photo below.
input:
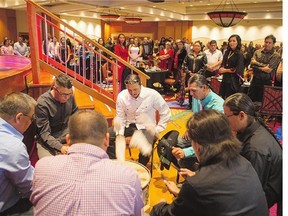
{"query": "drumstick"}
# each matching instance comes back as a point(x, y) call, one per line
point(162, 176)
point(159, 171)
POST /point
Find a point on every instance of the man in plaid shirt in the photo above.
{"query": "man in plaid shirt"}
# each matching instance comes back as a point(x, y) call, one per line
point(86, 181)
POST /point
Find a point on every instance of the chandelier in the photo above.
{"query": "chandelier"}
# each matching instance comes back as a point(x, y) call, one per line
point(132, 20)
point(226, 18)
point(109, 17)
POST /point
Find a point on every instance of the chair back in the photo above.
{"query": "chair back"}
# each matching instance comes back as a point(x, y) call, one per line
point(272, 101)
point(215, 85)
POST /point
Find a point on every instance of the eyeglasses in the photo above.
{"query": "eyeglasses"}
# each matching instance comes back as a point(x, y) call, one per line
point(62, 94)
point(32, 118)
point(131, 82)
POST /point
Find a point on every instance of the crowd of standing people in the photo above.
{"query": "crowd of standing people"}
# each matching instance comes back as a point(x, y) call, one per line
point(235, 151)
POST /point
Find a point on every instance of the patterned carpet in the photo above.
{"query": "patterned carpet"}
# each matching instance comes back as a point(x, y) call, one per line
point(173, 103)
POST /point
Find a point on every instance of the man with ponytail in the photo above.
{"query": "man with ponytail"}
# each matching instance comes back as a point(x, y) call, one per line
point(224, 184)
point(259, 144)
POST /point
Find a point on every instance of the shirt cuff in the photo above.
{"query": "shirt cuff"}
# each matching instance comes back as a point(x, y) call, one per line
point(121, 131)
point(189, 152)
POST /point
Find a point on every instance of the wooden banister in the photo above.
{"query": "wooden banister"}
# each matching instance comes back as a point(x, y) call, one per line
point(43, 10)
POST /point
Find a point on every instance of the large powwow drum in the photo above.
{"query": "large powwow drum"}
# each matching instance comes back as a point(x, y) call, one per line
point(145, 177)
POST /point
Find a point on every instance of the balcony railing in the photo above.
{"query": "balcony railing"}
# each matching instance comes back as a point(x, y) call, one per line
point(88, 63)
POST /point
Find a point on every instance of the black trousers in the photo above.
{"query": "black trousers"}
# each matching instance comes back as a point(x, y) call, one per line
point(127, 133)
point(22, 206)
point(256, 89)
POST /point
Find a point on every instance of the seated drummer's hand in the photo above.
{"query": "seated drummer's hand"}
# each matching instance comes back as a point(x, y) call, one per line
point(185, 136)
point(178, 153)
point(64, 149)
point(172, 187)
point(186, 172)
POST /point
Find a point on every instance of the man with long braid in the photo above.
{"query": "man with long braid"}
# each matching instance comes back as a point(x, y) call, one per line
point(259, 145)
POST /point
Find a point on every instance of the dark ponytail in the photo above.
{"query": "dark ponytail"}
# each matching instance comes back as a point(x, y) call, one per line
point(241, 102)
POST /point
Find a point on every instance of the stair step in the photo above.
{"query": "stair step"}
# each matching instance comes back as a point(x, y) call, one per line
point(83, 100)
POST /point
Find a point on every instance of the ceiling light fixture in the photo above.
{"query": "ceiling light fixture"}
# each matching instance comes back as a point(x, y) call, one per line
point(226, 18)
point(109, 17)
point(132, 20)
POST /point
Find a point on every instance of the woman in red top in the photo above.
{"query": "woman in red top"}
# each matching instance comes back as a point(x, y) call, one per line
point(166, 57)
point(121, 50)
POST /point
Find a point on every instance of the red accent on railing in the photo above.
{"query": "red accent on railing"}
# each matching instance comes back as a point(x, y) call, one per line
point(39, 37)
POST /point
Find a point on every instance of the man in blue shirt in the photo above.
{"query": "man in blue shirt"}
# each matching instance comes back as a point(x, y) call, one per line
point(207, 99)
point(16, 171)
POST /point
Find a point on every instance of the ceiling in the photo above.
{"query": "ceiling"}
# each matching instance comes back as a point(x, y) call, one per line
point(170, 10)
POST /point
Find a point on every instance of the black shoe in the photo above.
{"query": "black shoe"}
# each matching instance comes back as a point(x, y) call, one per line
point(189, 107)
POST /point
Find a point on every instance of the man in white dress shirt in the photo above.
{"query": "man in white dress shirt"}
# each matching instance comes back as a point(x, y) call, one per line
point(20, 48)
point(136, 108)
point(214, 59)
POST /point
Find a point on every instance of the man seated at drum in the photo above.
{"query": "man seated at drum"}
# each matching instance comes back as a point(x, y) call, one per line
point(208, 100)
point(86, 181)
point(224, 183)
point(136, 108)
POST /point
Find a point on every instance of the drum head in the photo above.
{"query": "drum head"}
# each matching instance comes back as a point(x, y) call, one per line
point(143, 172)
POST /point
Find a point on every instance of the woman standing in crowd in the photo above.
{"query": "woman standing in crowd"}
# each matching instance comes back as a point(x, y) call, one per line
point(232, 67)
point(53, 48)
point(64, 52)
point(109, 44)
point(166, 57)
point(121, 50)
point(99, 61)
point(195, 62)
point(135, 52)
point(246, 56)
point(7, 49)
point(179, 57)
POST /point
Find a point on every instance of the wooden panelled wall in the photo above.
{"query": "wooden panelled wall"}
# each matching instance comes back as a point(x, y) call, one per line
point(8, 24)
point(174, 29)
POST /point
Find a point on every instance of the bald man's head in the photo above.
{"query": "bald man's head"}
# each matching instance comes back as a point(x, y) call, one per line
point(88, 126)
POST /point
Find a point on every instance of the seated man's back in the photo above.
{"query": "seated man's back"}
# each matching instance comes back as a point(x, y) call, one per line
point(85, 184)
point(86, 181)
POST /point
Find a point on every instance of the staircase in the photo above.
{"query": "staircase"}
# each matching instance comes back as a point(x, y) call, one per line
point(92, 90)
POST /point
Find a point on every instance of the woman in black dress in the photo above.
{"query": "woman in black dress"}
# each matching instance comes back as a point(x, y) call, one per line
point(232, 67)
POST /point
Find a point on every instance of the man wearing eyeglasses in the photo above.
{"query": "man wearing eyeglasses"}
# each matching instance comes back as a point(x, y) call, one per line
point(16, 171)
point(133, 103)
point(53, 110)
